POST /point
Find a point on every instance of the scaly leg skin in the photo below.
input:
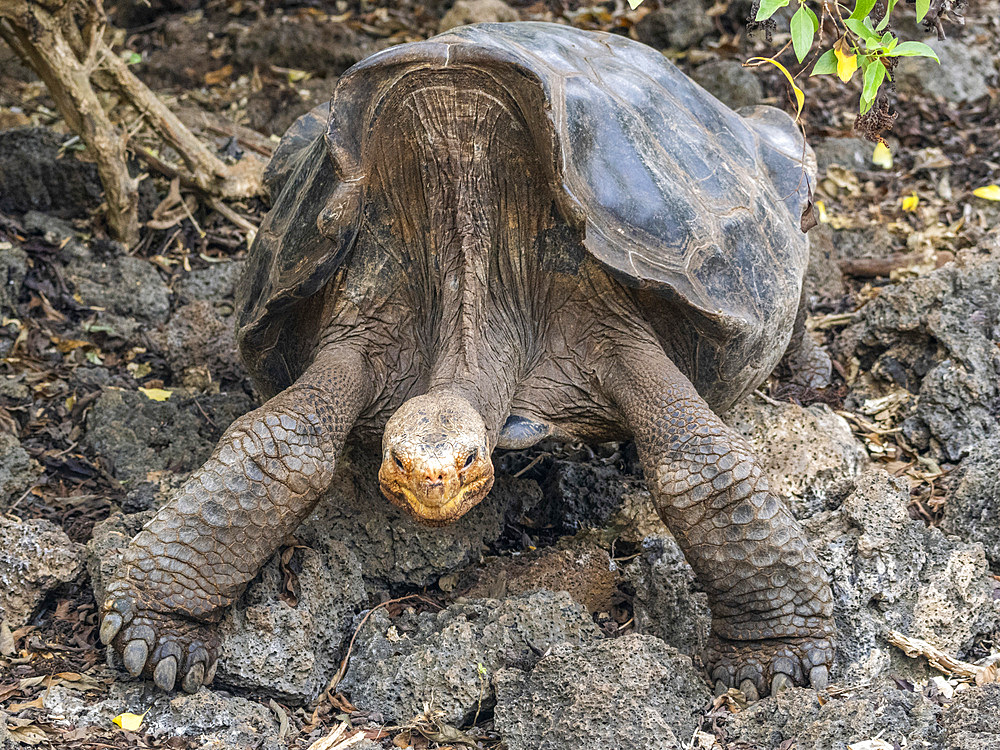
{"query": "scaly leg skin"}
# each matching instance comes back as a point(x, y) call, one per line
point(772, 609)
point(195, 557)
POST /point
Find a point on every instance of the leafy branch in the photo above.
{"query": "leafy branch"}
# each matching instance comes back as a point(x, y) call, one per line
point(863, 41)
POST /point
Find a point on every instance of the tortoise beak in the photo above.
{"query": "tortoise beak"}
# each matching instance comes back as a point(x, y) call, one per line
point(435, 490)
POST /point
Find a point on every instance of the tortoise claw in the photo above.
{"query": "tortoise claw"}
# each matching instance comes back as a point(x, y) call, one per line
point(779, 682)
point(819, 677)
point(165, 674)
point(110, 626)
point(749, 689)
point(134, 656)
point(194, 678)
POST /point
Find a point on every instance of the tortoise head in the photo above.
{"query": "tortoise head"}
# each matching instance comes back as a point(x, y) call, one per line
point(435, 460)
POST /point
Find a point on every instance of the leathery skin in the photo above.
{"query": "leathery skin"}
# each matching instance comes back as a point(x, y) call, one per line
point(194, 558)
point(772, 608)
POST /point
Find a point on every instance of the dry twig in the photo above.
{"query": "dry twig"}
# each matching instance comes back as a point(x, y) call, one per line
point(64, 43)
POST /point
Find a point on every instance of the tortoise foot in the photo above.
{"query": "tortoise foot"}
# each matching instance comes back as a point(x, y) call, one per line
point(765, 667)
point(169, 648)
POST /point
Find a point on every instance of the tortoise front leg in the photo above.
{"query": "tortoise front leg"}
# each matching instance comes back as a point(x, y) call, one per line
point(195, 557)
point(772, 609)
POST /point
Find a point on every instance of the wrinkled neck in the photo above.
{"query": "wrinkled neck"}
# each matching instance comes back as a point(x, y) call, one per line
point(466, 193)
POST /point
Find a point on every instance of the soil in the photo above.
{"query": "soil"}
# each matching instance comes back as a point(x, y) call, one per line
point(118, 374)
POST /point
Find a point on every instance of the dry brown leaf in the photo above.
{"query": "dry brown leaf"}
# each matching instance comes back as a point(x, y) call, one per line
point(215, 77)
point(28, 734)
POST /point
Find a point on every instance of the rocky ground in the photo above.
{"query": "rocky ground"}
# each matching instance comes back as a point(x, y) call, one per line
point(559, 613)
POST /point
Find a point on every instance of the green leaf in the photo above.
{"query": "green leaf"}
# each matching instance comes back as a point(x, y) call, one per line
point(874, 75)
point(885, 19)
point(825, 65)
point(913, 49)
point(922, 7)
point(131, 58)
point(862, 30)
point(862, 8)
point(768, 8)
point(802, 32)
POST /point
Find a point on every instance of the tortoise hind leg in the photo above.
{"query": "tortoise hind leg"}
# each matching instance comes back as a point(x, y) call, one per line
point(194, 558)
point(807, 361)
point(771, 607)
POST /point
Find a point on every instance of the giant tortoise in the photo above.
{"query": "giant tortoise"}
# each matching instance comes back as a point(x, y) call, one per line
point(506, 233)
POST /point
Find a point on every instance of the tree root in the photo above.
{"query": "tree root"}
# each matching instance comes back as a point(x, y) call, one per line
point(63, 41)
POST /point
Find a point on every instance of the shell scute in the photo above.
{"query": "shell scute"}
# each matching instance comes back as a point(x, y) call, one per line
point(673, 192)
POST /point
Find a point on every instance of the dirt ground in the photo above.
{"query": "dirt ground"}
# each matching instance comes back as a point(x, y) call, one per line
point(119, 373)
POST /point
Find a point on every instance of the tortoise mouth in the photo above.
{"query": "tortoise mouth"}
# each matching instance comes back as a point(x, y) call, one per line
point(436, 503)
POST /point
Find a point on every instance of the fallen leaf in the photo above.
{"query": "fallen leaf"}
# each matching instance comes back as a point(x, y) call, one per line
point(882, 156)
point(155, 394)
point(129, 722)
point(871, 745)
point(29, 734)
point(910, 202)
point(821, 209)
point(214, 77)
point(989, 192)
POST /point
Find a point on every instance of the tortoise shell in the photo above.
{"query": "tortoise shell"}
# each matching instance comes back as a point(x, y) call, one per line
point(699, 208)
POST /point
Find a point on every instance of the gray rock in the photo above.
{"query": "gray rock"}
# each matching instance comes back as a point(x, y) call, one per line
point(208, 720)
point(477, 11)
point(666, 601)
point(578, 566)
point(392, 547)
point(972, 511)
point(680, 25)
point(936, 336)
point(962, 76)
point(447, 659)
point(290, 648)
point(824, 279)
point(890, 572)
point(35, 175)
point(13, 268)
point(850, 153)
point(809, 455)
point(277, 642)
point(57, 233)
point(5, 738)
point(580, 495)
point(883, 710)
point(970, 722)
point(139, 435)
point(730, 83)
point(18, 471)
point(633, 692)
point(197, 337)
point(36, 556)
point(872, 241)
point(213, 284)
point(129, 290)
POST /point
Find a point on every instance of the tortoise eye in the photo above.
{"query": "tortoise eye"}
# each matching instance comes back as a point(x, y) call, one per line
point(395, 457)
point(471, 458)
